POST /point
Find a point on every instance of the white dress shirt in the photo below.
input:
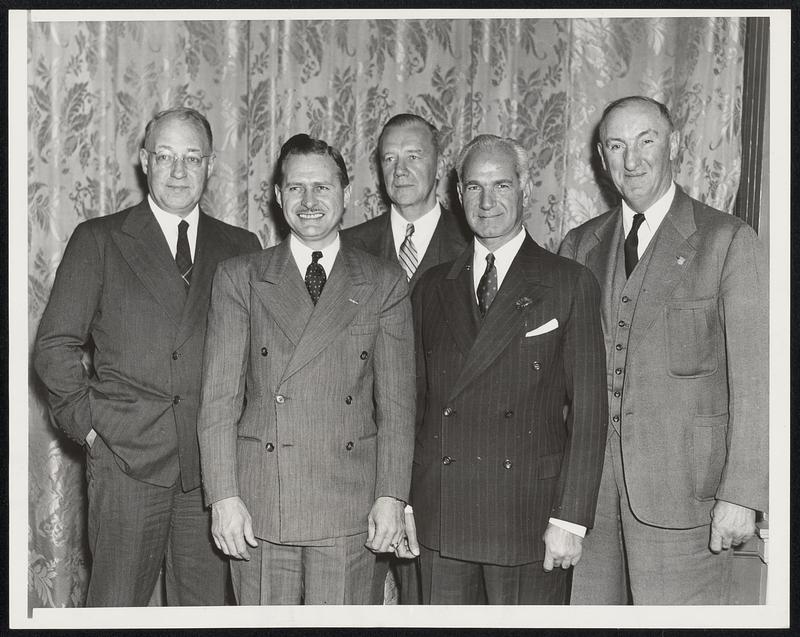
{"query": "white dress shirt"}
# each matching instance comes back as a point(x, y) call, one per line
point(503, 257)
point(653, 217)
point(424, 227)
point(169, 226)
point(302, 254)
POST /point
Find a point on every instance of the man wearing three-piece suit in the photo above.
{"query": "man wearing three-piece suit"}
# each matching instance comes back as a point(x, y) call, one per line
point(417, 233)
point(306, 423)
point(685, 319)
point(512, 412)
point(136, 284)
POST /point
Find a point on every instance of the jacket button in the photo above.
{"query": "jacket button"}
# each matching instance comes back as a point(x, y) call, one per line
point(617, 394)
point(270, 447)
point(615, 419)
point(448, 411)
point(348, 400)
point(263, 351)
point(280, 399)
point(619, 347)
point(536, 365)
point(625, 299)
point(364, 355)
point(507, 463)
point(447, 460)
point(618, 371)
point(508, 414)
point(176, 400)
point(621, 323)
point(349, 445)
point(174, 356)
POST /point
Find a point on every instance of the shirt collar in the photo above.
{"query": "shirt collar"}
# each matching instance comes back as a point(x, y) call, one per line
point(503, 256)
point(654, 215)
point(302, 253)
point(169, 219)
point(424, 227)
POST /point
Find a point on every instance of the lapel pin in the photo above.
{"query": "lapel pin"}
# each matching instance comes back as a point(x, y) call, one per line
point(681, 260)
point(353, 301)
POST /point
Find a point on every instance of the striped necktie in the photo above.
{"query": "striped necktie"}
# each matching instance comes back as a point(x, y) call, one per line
point(408, 253)
point(183, 256)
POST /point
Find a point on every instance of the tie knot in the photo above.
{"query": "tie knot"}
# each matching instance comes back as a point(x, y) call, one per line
point(183, 226)
point(409, 230)
point(316, 256)
point(638, 220)
point(489, 260)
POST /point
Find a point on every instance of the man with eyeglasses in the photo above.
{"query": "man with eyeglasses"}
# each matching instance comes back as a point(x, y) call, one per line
point(134, 288)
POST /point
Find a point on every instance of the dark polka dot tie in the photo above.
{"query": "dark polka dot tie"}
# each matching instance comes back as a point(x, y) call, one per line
point(487, 286)
point(315, 276)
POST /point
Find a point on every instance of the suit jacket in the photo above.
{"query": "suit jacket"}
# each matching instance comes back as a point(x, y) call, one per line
point(118, 284)
point(495, 457)
point(307, 412)
point(375, 236)
point(693, 408)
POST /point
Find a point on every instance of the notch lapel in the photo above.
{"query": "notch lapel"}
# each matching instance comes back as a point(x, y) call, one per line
point(458, 306)
point(143, 245)
point(501, 324)
point(346, 289)
point(602, 258)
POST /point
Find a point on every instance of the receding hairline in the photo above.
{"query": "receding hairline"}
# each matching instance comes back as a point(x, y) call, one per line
point(408, 120)
point(195, 119)
point(632, 100)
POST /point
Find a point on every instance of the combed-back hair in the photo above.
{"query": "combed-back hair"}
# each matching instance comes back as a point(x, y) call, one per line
point(182, 113)
point(493, 142)
point(302, 144)
point(624, 101)
point(407, 119)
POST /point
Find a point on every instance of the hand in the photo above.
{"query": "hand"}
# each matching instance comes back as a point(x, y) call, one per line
point(409, 547)
point(731, 525)
point(385, 525)
point(232, 527)
point(561, 548)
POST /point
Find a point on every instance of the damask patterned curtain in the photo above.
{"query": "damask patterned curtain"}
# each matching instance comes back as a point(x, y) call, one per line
point(93, 86)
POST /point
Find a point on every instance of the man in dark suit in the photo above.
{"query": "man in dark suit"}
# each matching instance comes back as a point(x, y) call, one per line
point(307, 412)
point(685, 320)
point(507, 336)
point(417, 233)
point(137, 285)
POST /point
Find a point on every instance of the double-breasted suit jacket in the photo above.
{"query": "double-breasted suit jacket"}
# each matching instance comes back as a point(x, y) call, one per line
point(307, 411)
point(375, 236)
point(495, 456)
point(687, 360)
point(118, 284)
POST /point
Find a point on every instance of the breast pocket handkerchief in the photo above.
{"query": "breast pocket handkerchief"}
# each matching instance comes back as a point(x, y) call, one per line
point(543, 329)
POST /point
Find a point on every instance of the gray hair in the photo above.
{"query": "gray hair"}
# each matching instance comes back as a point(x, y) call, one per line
point(493, 142)
point(631, 99)
point(408, 119)
point(182, 113)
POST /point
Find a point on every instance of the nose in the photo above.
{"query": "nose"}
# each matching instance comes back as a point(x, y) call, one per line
point(400, 167)
point(308, 198)
point(487, 199)
point(178, 169)
point(631, 158)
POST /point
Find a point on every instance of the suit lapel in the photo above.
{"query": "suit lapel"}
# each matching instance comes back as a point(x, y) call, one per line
point(387, 239)
point(457, 305)
point(672, 253)
point(601, 260)
point(144, 247)
point(526, 278)
point(282, 291)
point(347, 287)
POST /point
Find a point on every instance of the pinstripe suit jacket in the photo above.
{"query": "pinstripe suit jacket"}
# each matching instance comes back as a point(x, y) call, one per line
point(307, 412)
point(693, 408)
point(375, 236)
point(118, 284)
point(495, 456)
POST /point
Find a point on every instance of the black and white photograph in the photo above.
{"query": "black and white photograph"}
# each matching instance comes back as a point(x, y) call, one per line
point(365, 309)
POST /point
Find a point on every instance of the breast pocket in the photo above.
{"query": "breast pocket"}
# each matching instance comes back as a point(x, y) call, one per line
point(691, 333)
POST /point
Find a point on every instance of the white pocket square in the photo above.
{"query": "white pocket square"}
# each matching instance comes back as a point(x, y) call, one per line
point(543, 329)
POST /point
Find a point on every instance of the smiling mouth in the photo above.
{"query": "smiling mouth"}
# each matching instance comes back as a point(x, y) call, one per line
point(310, 215)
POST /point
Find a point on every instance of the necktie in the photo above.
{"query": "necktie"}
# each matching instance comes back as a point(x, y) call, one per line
point(408, 253)
point(183, 257)
point(487, 286)
point(632, 244)
point(315, 276)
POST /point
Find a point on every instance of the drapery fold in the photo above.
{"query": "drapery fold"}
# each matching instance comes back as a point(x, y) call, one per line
point(92, 86)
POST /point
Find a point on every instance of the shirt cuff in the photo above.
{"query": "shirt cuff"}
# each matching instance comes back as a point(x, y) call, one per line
point(577, 529)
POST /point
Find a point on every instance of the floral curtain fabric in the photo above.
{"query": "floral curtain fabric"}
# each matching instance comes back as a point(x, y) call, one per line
point(92, 86)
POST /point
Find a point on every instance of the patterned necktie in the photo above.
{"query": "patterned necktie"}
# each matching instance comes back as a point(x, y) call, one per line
point(315, 276)
point(632, 244)
point(408, 253)
point(487, 286)
point(183, 256)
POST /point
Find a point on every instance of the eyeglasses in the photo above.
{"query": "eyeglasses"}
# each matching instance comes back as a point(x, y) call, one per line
point(167, 160)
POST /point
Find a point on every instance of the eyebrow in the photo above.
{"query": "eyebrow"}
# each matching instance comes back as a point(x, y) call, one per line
point(649, 131)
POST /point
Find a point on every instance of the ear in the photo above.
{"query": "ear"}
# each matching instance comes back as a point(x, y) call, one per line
point(439, 168)
point(527, 189)
point(674, 144)
point(143, 157)
point(458, 190)
point(346, 194)
point(278, 195)
point(210, 165)
point(602, 156)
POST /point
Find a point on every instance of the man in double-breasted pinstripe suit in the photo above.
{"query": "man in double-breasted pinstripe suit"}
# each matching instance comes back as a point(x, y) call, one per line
point(306, 420)
point(507, 335)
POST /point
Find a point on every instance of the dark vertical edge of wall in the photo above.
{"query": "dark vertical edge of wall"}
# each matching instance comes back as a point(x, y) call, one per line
point(754, 103)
